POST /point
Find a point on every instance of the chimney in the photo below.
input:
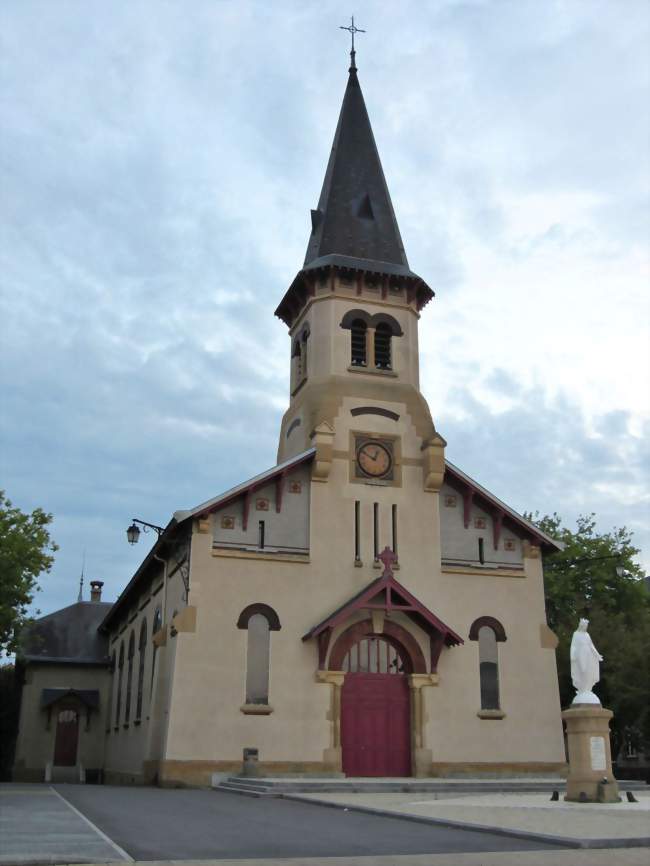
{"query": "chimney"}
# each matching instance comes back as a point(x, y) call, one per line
point(96, 590)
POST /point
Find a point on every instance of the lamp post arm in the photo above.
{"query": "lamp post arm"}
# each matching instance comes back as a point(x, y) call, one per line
point(562, 562)
point(144, 524)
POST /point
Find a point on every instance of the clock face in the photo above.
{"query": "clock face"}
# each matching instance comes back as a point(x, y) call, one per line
point(374, 459)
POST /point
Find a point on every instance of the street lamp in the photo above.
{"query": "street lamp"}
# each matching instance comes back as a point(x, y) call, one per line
point(133, 532)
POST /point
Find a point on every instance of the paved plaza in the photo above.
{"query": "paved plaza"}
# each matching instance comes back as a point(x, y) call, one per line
point(41, 824)
point(587, 824)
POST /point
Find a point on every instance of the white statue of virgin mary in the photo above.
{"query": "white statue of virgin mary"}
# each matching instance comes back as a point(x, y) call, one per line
point(585, 665)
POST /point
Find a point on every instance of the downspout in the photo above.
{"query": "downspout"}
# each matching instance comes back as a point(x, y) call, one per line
point(164, 564)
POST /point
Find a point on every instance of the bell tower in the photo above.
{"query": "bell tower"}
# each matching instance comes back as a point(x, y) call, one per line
point(353, 309)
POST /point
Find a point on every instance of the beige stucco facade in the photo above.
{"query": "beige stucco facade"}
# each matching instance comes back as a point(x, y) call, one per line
point(200, 723)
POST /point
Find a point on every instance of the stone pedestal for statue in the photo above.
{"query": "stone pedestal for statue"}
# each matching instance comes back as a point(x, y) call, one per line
point(590, 776)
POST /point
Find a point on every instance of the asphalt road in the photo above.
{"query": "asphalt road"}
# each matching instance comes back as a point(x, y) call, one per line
point(162, 824)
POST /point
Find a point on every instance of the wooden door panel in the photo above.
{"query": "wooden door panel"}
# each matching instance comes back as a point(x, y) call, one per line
point(67, 737)
point(375, 725)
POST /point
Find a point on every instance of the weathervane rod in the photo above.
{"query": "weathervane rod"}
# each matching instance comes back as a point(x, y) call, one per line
point(352, 29)
point(81, 579)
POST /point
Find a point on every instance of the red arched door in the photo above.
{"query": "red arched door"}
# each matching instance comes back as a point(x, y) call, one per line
point(375, 711)
point(67, 736)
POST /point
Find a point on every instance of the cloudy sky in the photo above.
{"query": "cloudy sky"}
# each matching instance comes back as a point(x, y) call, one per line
point(158, 162)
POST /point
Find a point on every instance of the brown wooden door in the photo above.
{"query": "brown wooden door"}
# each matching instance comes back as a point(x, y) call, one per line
point(67, 737)
point(376, 725)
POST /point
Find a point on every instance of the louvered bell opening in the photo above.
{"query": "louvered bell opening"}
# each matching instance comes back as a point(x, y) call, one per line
point(382, 347)
point(358, 331)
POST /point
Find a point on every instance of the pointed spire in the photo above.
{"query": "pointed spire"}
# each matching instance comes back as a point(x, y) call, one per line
point(354, 226)
point(80, 597)
point(355, 216)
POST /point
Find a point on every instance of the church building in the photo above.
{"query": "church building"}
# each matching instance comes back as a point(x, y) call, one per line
point(363, 607)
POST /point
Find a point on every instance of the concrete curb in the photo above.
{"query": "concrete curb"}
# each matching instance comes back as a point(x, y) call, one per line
point(529, 835)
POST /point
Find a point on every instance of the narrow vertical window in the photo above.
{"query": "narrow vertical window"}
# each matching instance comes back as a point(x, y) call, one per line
point(358, 331)
point(295, 364)
point(142, 647)
point(394, 522)
point(357, 527)
point(303, 353)
point(260, 537)
point(382, 347)
point(259, 620)
point(129, 679)
point(489, 668)
point(257, 660)
point(375, 529)
point(118, 701)
point(481, 551)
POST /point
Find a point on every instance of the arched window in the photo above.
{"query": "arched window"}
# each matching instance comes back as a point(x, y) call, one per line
point(488, 631)
point(299, 357)
point(304, 336)
point(129, 679)
point(111, 690)
point(259, 620)
point(373, 655)
point(383, 336)
point(118, 700)
point(142, 646)
point(359, 333)
point(382, 328)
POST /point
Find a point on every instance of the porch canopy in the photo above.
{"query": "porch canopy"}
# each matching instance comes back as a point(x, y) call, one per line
point(88, 697)
point(388, 595)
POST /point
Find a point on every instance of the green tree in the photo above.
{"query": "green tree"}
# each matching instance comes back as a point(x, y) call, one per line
point(25, 553)
point(595, 576)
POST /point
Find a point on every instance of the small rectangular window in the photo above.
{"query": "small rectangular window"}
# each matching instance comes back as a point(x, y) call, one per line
point(357, 540)
point(481, 551)
point(394, 522)
point(375, 529)
point(260, 543)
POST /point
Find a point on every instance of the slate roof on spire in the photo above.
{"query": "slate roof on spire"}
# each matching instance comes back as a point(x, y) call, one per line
point(354, 228)
point(355, 216)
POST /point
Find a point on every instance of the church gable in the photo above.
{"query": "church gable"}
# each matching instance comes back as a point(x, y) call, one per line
point(467, 534)
point(273, 517)
point(479, 530)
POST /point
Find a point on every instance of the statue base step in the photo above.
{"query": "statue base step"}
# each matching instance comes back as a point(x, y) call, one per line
point(590, 778)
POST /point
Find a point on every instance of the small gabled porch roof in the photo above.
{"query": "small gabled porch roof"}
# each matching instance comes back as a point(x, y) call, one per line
point(88, 697)
point(387, 594)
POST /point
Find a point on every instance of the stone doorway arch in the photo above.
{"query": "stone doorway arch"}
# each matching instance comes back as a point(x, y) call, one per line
point(377, 718)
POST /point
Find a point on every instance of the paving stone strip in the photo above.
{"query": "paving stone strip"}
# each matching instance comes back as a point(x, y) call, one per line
point(39, 826)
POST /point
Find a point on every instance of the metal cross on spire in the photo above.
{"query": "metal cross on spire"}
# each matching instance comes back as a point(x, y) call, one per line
point(352, 30)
